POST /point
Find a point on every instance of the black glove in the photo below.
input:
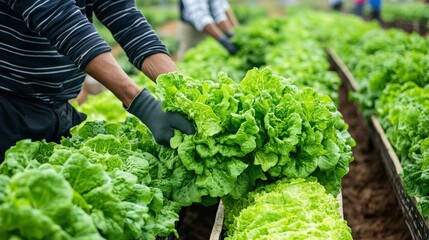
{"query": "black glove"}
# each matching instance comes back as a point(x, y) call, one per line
point(229, 35)
point(227, 44)
point(160, 123)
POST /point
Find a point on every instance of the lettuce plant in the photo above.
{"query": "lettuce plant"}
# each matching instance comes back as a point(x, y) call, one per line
point(261, 128)
point(286, 209)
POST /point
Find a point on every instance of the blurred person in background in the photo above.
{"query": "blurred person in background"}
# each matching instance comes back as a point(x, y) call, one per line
point(358, 8)
point(375, 6)
point(90, 86)
point(286, 2)
point(202, 18)
point(336, 5)
point(47, 49)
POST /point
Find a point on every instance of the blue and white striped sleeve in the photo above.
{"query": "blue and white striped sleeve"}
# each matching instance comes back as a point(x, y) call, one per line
point(197, 12)
point(63, 24)
point(218, 9)
point(130, 29)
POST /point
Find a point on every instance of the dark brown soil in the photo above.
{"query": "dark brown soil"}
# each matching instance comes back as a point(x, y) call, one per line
point(197, 222)
point(369, 202)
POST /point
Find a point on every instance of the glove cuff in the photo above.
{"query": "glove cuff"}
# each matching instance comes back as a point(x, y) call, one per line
point(222, 38)
point(228, 35)
point(141, 104)
point(132, 101)
point(227, 44)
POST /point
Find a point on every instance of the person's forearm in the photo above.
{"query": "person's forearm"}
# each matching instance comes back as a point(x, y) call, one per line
point(231, 18)
point(157, 64)
point(212, 30)
point(225, 26)
point(107, 71)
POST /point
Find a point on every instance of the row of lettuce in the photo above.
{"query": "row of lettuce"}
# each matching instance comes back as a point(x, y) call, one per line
point(280, 43)
point(254, 128)
point(412, 11)
point(110, 180)
point(293, 52)
point(391, 69)
point(408, 11)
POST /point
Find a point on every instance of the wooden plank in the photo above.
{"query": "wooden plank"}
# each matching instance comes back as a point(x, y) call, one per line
point(342, 69)
point(216, 233)
point(417, 225)
point(409, 26)
point(392, 154)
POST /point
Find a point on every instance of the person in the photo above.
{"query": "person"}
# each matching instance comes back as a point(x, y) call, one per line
point(336, 5)
point(200, 18)
point(286, 2)
point(375, 6)
point(47, 48)
point(359, 6)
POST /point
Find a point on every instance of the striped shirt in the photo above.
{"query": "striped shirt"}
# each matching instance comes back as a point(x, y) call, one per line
point(45, 45)
point(199, 13)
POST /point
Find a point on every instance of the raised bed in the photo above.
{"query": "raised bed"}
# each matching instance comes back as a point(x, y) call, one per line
point(417, 226)
point(410, 26)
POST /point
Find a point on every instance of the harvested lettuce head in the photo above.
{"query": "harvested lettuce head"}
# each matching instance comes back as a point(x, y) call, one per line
point(288, 209)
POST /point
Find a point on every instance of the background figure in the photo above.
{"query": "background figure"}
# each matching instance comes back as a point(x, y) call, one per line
point(286, 2)
point(90, 86)
point(375, 9)
point(205, 17)
point(358, 7)
point(336, 4)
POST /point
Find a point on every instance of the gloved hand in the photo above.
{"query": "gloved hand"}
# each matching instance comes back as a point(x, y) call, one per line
point(160, 123)
point(227, 44)
point(229, 35)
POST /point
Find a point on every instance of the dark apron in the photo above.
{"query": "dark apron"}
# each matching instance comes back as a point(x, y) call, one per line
point(22, 118)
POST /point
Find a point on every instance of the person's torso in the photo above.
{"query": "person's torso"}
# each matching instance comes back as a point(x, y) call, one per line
point(30, 66)
point(375, 3)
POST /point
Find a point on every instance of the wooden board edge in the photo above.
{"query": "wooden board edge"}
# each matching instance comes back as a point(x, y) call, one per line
point(380, 131)
point(418, 226)
point(342, 69)
point(218, 224)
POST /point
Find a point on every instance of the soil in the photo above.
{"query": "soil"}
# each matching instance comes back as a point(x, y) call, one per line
point(197, 222)
point(369, 202)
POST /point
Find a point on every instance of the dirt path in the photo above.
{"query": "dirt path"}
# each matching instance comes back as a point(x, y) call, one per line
point(370, 205)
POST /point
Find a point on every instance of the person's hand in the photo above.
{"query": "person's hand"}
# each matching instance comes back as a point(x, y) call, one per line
point(229, 35)
point(160, 123)
point(227, 44)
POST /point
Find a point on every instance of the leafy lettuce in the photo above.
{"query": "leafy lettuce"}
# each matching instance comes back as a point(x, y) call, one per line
point(286, 209)
point(261, 127)
point(99, 175)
